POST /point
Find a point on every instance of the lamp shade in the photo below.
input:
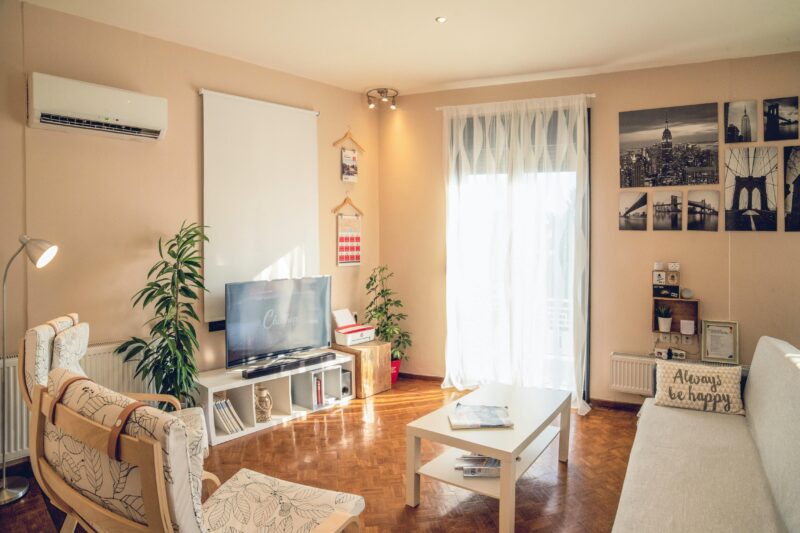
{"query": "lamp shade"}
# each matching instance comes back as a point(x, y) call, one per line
point(39, 251)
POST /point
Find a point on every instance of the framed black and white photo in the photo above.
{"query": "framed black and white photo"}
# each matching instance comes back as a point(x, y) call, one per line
point(751, 189)
point(780, 119)
point(791, 175)
point(741, 124)
point(719, 341)
point(669, 146)
point(667, 210)
point(349, 165)
point(633, 211)
point(702, 210)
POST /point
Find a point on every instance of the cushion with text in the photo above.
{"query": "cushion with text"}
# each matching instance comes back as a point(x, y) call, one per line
point(702, 387)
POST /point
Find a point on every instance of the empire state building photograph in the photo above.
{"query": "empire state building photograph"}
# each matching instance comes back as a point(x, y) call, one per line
point(741, 124)
point(669, 146)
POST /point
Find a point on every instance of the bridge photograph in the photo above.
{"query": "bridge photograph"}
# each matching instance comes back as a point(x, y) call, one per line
point(791, 173)
point(751, 189)
point(667, 210)
point(633, 211)
point(780, 119)
point(702, 211)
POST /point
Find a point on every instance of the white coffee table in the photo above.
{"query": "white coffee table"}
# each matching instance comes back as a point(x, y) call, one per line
point(532, 410)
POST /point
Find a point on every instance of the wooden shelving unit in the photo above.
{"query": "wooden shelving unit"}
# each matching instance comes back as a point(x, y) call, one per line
point(682, 309)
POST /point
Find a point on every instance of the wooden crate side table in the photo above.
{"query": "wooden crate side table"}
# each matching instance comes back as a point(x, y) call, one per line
point(373, 367)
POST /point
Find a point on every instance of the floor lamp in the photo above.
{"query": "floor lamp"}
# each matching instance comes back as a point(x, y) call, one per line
point(40, 252)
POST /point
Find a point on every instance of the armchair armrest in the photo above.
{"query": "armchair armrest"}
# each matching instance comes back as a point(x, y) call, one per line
point(208, 476)
point(148, 397)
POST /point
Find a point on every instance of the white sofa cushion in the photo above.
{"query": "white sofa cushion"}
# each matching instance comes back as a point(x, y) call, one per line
point(694, 471)
point(252, 502)
point(772, 397)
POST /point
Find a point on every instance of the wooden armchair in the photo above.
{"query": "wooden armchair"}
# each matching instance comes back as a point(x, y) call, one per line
point(114, 466)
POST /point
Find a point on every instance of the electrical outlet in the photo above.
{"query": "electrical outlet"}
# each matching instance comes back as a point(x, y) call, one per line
point(686, 339)
point(663, 337)
point(675, 338)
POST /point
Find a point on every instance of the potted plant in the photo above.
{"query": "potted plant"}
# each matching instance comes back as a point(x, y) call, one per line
point(664, 315)
point(383, 312)
point(166, 358)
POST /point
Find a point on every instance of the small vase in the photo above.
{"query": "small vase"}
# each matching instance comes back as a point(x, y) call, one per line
point(395, 370)
point(664, 324)
point(263, 401)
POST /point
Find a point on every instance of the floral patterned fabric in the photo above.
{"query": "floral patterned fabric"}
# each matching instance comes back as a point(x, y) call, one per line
point(70, 346)
point(253, 502)
point(39, 349)
point(114, 484)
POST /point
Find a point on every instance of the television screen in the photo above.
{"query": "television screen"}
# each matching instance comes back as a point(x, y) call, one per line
point(268, 318)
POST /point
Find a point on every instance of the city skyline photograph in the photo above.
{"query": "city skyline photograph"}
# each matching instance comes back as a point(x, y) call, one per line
point(669, 146)
point(741, 121)
point(667, 210)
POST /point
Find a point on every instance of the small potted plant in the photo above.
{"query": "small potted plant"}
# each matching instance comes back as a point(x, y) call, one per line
point(383, 312)
point(664, 315)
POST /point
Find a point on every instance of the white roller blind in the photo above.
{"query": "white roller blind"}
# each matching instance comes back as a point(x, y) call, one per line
point(260, 193)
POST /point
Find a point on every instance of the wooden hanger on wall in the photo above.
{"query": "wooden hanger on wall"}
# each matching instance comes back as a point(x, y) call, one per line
point(347, 201)
point(349, 137)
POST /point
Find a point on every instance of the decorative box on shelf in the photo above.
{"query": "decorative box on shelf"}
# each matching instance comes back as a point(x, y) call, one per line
point(373, 367)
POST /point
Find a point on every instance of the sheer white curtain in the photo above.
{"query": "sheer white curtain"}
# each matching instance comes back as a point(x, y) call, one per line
point(518, 244)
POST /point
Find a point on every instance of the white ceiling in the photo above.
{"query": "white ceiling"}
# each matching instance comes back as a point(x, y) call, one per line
point(357, 44)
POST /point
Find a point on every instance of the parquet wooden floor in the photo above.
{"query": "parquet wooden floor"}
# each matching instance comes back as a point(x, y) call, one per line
point(360, 448)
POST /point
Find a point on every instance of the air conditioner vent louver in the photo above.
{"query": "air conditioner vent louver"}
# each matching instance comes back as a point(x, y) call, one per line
point(48, 118)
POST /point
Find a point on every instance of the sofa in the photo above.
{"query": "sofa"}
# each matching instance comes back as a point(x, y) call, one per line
point(693, 471)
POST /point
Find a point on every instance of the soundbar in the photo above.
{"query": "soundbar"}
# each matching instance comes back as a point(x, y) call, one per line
point(287, 363)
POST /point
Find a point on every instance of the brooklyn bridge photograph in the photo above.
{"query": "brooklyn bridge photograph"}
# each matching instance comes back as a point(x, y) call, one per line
point(633, 211)
point(780, 119)
point(751, 176)
point(791, 173)
point(669, 146)
point(702, 211)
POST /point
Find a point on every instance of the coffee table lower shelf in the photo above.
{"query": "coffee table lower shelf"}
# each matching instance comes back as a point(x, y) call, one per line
point(442, 469)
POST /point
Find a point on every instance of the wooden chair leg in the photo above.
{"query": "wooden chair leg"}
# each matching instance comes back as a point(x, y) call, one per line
point(70, 522)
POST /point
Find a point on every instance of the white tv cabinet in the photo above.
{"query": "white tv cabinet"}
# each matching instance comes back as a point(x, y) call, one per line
point(292, 392)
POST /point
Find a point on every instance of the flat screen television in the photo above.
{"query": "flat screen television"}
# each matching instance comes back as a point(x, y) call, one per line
point(265, 319)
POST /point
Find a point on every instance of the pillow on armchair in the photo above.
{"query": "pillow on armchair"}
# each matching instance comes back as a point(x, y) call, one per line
point(70, 346)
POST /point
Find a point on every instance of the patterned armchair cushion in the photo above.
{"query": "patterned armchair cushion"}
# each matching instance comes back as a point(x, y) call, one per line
point(116, 485)
point(39, 349)
point(195, 421)
point(253, 502)
point(70, 346)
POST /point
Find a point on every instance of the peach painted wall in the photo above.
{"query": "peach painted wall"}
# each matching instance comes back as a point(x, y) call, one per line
point(106, 201)
point(749, 277)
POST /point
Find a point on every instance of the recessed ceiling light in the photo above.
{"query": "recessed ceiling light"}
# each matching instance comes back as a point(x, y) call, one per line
point(441, 20)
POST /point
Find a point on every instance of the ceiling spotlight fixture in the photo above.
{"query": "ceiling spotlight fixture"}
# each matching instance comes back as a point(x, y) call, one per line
point(441, 20)
point(384, 94)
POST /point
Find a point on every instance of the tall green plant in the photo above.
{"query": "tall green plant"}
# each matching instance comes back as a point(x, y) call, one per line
point(383, 312)
point(173, 287)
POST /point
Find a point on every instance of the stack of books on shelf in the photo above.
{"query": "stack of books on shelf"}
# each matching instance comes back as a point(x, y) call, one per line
point(225, 417)
point(477, 465)
point(480, 416)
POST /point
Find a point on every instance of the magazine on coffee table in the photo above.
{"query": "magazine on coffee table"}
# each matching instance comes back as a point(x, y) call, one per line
point(480, 416)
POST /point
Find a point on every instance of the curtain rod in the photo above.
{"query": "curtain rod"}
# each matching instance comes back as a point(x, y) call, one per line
point(591, 95)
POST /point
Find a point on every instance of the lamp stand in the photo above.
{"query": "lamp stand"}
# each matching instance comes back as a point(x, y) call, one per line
point(14, 487)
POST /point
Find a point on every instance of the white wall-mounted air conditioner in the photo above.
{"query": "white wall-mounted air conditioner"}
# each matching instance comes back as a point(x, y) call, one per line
point(60, 103)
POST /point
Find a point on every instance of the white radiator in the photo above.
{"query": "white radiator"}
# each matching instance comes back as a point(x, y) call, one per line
point(632, 374)
point(100, 364)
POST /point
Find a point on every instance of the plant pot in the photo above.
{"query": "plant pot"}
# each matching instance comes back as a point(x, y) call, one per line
point(395, 370)
point(664, 324)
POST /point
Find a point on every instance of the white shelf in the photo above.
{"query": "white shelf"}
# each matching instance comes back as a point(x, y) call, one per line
point(287, 389)
point(442, 468)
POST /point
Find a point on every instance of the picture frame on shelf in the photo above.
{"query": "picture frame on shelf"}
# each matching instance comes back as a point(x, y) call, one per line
point(719, 341)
